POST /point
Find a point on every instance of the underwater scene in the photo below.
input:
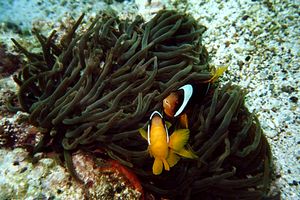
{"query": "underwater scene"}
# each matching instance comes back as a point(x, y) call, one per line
point(149, 99)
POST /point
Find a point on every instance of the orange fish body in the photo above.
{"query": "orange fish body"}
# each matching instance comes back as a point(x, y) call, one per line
point(158, 143)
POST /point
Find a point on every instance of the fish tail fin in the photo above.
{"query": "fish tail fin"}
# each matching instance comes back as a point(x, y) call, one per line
point(172, 158)
point(157, 166)
point(166, 165)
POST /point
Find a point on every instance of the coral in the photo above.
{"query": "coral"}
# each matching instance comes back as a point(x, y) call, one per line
point(17, 133)
point(95, 89)
point(104, 180)
point(9, 63)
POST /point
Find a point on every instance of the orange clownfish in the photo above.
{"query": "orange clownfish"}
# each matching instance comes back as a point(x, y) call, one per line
point(175, 104)
point(165, 150)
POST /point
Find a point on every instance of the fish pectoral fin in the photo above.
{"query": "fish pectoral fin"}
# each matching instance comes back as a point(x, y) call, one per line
point(187, 153)
point(172, 158)
point(168, 124)
point(179, 139)
point(143, 133)
point(157, 166)
point(166, 165)
point(184, 123)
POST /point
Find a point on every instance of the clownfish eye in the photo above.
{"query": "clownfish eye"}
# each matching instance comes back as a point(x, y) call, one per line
point(166, 102)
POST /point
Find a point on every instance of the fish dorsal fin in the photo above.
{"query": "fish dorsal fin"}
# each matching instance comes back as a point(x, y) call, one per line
point(149, 126)
point(187, 94)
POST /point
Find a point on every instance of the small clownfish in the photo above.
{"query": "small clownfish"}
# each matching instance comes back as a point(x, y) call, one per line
point(158, 139)
point(175, 104)
point(165, 150)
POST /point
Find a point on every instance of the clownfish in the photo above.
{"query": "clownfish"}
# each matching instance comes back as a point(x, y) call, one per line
point(165, 150)
point(176, 104)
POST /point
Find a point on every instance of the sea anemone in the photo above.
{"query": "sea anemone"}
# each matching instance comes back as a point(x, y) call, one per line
point(96, 88)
